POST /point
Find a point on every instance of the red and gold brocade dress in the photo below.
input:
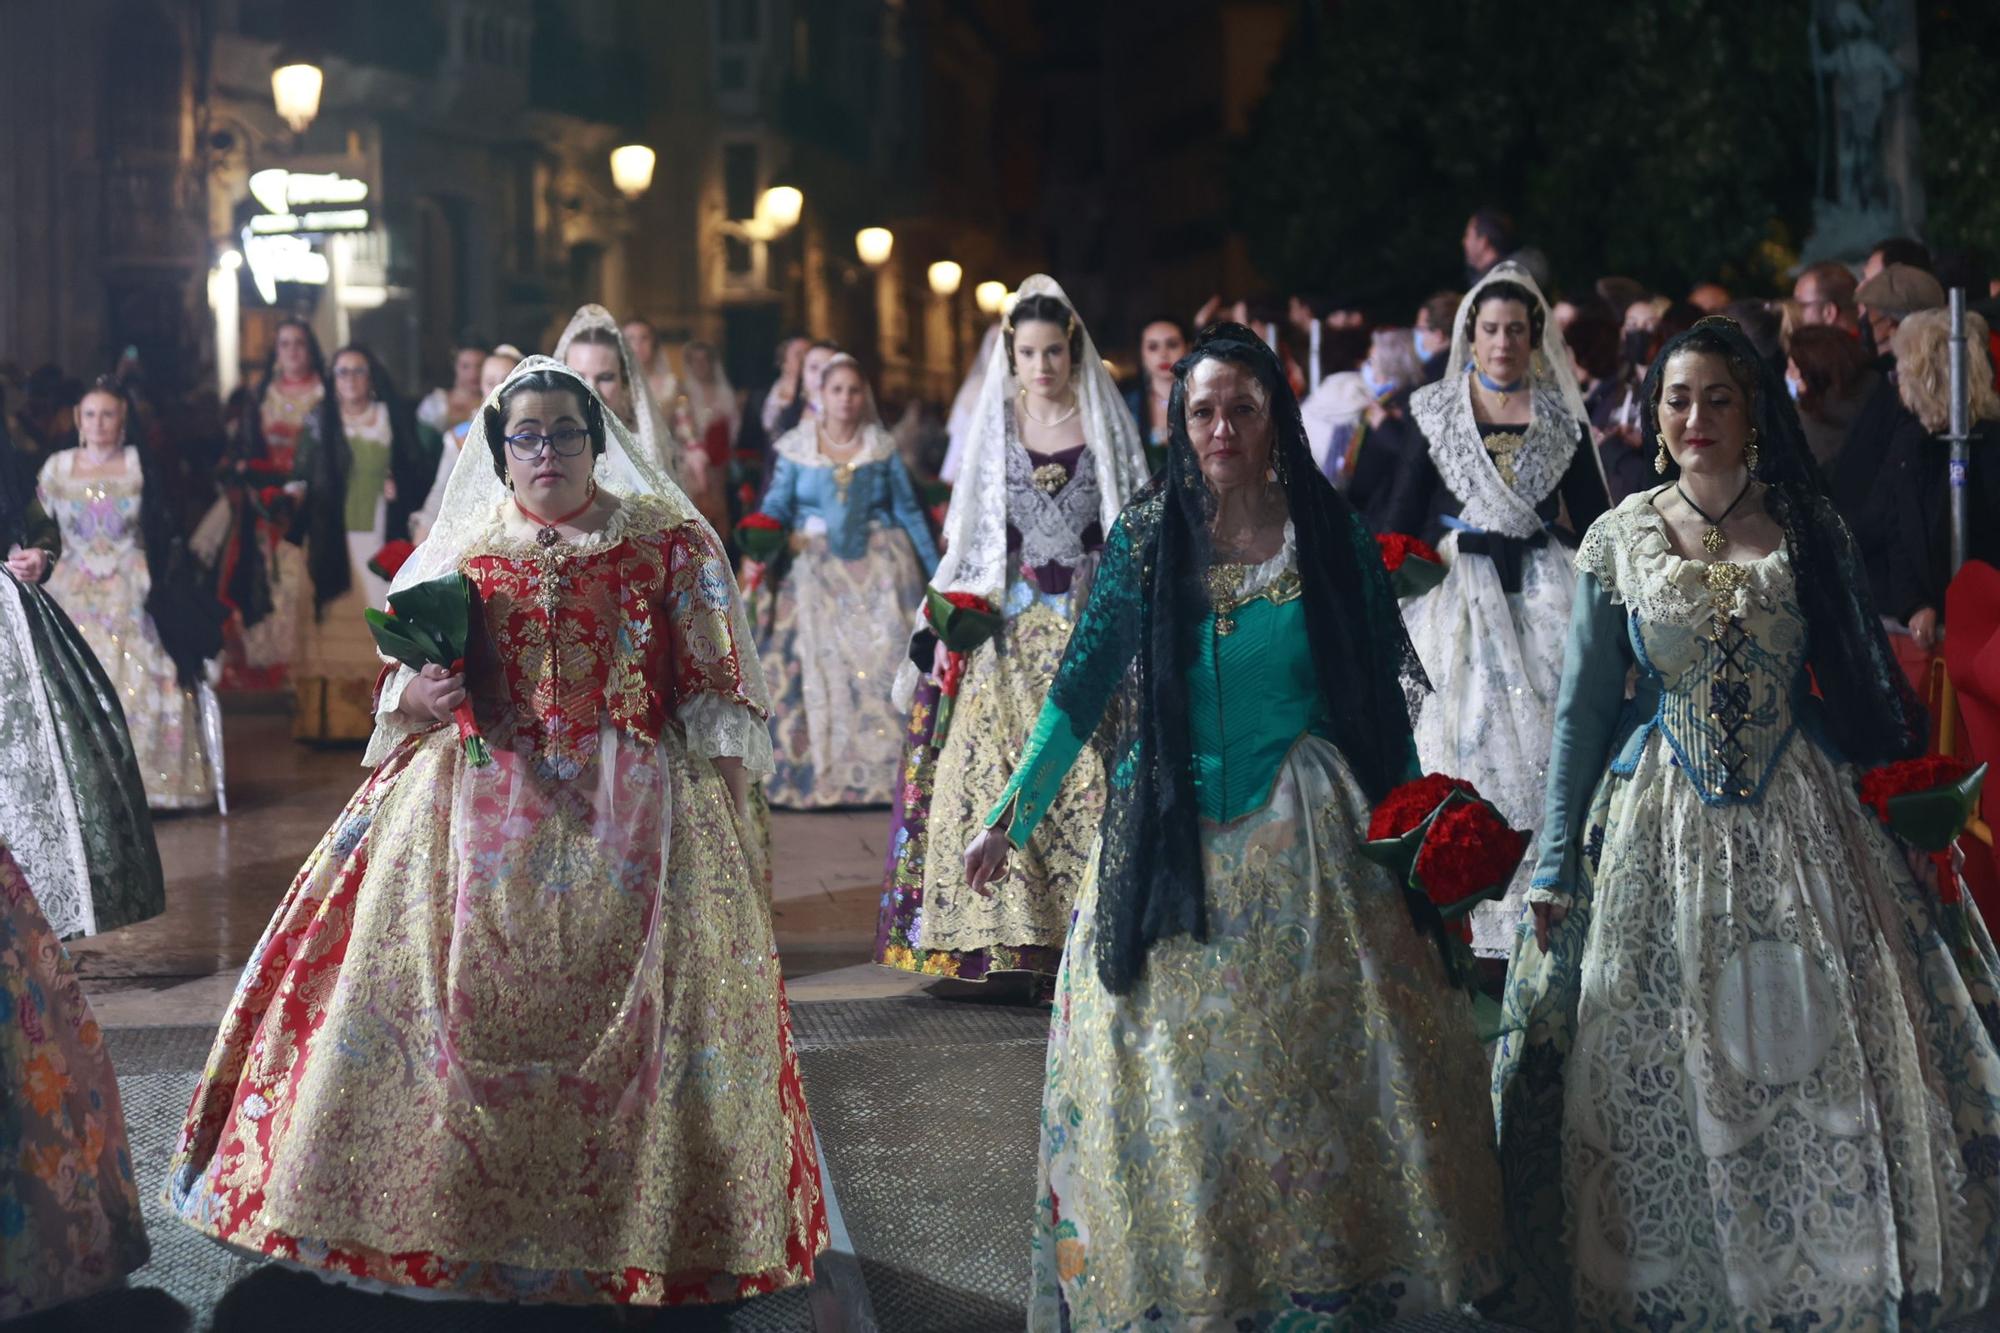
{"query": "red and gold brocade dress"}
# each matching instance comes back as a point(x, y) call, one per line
point(517, 1032)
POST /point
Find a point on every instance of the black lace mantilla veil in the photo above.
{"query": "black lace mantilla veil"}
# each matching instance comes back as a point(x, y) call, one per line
point(1137, 637)
point(1873, 716)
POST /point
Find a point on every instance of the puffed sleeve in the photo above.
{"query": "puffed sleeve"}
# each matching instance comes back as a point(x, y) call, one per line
point(708, 666)
point(781, 496)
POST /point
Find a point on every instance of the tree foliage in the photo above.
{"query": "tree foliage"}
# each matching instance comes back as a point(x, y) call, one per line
point(1671, 140)
point(1958, 99)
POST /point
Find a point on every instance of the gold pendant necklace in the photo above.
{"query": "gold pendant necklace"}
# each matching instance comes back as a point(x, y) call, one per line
point(1712, 539)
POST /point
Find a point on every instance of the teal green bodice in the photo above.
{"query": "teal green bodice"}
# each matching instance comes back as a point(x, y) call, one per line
point(1252, 692)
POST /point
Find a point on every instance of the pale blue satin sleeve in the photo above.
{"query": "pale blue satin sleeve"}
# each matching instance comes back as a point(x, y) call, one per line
point(1595, 663)
point(909, 512)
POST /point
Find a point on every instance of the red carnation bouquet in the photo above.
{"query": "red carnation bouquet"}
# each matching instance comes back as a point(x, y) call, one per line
point(385, 562)
point(760, 537)
point(962, 621)
point(1414, 566)
point(1452, 851)
point(429, 624)
point(1927, 802)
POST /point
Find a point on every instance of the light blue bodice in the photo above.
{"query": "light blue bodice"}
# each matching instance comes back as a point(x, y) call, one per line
point(850, 502)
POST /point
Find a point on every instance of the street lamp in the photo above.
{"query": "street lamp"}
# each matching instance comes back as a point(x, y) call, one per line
point(945, 277)
point(295, 88)
point(874, 245)
point(632, 169)
point(780, 206)
point(991, 295)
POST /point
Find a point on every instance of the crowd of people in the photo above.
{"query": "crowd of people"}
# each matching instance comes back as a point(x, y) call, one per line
point(1128, 673)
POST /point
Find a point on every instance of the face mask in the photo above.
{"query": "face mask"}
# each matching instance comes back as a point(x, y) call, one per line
point(1793, 387)
point(1377, 386)
point(1635, 346)
point(1417, 345)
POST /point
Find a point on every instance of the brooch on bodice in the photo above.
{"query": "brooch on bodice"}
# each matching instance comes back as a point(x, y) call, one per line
point(1223, 581)
point(1501, 448)
point(1050, 478)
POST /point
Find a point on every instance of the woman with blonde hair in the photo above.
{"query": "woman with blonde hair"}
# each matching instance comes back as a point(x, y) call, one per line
point(1923, 381)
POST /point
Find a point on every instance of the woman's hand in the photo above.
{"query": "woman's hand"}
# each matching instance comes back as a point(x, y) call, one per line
point(940, 658)
point(1547, 917)
point(432, 695)
point(1924, 627)
point(737, 779)
point(986, 861)
point(28, 563)
point(296, 489)
point(389, 489)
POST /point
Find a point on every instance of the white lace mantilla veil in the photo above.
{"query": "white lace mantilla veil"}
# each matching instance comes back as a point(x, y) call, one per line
point(655, 437)
point(473, 503)
point(1550, 365)
point(959, 424)
point(975, 527)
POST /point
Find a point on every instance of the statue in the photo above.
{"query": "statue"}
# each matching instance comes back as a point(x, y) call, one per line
point(1864, 80)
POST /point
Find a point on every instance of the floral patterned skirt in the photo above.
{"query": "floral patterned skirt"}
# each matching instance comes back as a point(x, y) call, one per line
point(517, 1035)
point(163, 720)
point(1279, 1127)
point(838, 632)
point(1495, 663)
point(69, 1207)
point(1749, 1084)
point(931, 921)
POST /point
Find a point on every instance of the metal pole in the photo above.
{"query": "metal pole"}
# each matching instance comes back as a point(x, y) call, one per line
point(1961, 444)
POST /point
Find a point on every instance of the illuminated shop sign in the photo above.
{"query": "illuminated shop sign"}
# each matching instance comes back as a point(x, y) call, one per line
point(275, 259)
point(302, 201)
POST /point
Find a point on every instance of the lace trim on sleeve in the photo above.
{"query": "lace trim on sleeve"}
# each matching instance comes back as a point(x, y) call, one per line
point(720, 728)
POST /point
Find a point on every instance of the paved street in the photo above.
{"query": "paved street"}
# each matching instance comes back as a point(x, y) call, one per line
point(926, 1106)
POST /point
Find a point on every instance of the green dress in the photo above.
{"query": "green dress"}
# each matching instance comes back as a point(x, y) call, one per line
point(73, 806)
point(1279, 1126)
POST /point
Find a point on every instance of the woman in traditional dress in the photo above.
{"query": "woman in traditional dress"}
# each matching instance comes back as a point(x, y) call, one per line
point(1508, 478)
point(73, 806)
point(261, 573)
point(517, 1032)
point(1262, 1097)
point(118, 567)
point(365, 461)
point(1052, 459)
point(1745, 1081)
point(1163, 341)
point(593, 346)
point(862, 553)
point(445, 410)
point(69, 1206)
point(713, 417)
point(493, 372)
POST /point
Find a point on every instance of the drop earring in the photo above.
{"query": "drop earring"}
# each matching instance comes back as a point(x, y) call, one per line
point(1750, 451)
point(1661, 459)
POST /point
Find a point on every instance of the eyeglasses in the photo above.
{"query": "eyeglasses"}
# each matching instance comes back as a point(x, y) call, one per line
point(567, 443)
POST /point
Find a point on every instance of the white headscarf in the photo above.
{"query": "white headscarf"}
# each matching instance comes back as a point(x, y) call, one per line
point(650, 430)
point(473, 504)
point(975, 527)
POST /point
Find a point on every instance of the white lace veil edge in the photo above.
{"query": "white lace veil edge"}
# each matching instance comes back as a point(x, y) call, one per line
point(1551, 367)
point(652, 433)
point(471, 509)
point(975, 527)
